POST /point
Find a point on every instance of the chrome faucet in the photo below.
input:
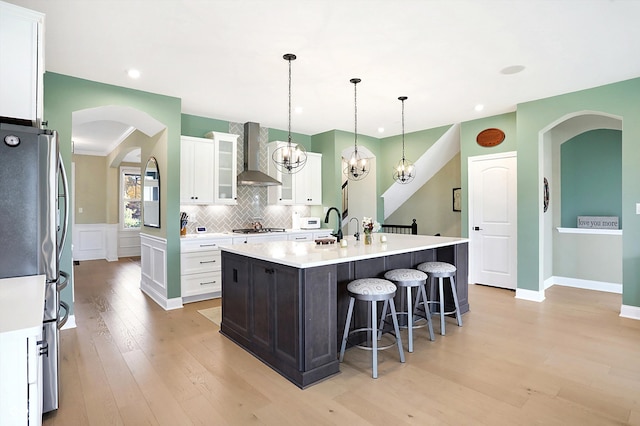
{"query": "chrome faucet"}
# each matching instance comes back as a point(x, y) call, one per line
point(357, 234)
point(337, 234)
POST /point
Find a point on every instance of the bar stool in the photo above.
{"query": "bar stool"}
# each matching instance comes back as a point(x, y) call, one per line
point(371, 290)
point(409, 278)
point(441, 270)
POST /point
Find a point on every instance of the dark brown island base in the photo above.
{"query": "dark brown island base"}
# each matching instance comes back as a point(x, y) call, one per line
point(286, 302)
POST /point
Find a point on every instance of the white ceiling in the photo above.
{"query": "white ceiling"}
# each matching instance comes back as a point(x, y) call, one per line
point(223, 58)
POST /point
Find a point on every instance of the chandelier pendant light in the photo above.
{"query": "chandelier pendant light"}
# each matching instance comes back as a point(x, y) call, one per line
point(405, 171)
point(291, 157)
point(357, 167)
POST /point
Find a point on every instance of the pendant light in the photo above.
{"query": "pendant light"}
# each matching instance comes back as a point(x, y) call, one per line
point(405, 171)
point(290, 158)
point(356, 168)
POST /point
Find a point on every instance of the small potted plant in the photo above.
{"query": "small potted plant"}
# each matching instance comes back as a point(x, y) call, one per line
point(369, 226)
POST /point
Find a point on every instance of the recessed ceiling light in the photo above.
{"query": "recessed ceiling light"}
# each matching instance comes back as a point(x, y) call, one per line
point(298, 110)
point(479, 107)
point(513, 69)
point(380, 129)
point(133, 73)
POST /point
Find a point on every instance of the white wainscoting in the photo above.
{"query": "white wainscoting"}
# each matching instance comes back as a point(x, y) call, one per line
point(95, 241)
point(104, 241)
point(153, 260)
point(128, 243)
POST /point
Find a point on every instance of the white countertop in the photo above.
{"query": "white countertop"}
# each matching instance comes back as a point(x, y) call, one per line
point(230, 234)
point(309, 254)
point(22, 304)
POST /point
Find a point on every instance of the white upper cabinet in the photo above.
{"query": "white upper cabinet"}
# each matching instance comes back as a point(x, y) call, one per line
point(196, 170)
point(301, 188)
point(225, 167)
point(208, 169)
point(308, 182)
point(21, 63)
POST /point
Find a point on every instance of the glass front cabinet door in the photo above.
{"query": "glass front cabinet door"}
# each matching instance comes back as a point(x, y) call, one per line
point(225, 167)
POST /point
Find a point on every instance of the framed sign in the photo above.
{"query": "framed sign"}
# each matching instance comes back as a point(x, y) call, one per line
point(457, 199)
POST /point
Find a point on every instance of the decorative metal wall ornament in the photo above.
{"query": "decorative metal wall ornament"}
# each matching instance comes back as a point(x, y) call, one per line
point(290, 158)
point(357, 167)
point(545, 199)
point(405, 171)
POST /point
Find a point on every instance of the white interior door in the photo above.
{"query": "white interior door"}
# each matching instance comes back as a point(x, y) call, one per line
point(493, 220)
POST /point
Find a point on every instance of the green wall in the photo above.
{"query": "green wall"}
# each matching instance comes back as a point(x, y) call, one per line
point(63, 95)
point(283, 135)
point(469, 148)
point(536, 117)
point(192, 125)
point(591, 176)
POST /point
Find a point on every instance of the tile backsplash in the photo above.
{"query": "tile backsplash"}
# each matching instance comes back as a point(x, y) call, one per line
point(252, 201)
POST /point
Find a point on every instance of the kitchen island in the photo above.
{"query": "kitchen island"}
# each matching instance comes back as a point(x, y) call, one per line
point(286, 302)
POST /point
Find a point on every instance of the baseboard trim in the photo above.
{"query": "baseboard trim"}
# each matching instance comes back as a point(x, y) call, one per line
point(71, 323)
point(585, 284)
point(166, 304)
point(627, 311)
point(531, 295)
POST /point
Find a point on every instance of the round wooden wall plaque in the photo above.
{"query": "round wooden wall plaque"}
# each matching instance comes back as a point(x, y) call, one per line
point(490, 137)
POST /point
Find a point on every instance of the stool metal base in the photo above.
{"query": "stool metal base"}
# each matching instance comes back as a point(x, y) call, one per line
point(411, 325)
point(440, 303)
point(373, 321)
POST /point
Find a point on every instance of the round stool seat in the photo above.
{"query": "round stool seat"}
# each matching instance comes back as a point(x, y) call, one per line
point(409, 278)
point(406, 277)
point(371, 289)
point(437, 269)
point(441, 270)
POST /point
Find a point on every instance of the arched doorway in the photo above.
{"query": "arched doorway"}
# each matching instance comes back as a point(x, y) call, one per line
point(104, 139)
point(553, 240)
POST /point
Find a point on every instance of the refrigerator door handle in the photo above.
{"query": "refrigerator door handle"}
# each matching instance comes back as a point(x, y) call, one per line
point(62, 321)
point(65, 196)
point(63, 282)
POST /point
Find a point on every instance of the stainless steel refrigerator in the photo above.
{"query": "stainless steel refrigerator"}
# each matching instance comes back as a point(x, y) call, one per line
point(33, 227)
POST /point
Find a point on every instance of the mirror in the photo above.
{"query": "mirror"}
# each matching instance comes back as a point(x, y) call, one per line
point(151, 194)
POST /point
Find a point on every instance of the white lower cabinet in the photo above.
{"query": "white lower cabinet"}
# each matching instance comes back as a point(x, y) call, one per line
point(200, 267)
point(260, 238)
point(326, 233)
point(306, 236)
point(21, 383)
point(21, 349)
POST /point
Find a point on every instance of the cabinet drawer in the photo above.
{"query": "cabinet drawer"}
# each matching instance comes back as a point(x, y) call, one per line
point(196, 284)
point(301, 237)
point(202, 244)
point(322, 234)
point(197, 262)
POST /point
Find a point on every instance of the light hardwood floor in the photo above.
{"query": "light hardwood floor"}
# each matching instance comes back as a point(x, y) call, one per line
point(570, 360)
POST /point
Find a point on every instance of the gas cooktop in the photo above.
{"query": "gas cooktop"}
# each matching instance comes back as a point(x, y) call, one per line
point(257, 231)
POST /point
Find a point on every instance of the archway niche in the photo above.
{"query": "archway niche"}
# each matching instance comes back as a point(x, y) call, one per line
point(569, 257)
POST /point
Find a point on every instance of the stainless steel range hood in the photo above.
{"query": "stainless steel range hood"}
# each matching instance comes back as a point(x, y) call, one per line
point(252, 175)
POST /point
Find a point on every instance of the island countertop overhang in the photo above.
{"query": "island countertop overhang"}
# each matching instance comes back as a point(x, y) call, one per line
point(308, 254)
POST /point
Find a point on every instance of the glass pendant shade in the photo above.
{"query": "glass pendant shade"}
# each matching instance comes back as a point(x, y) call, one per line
point(405, 171)
point(291, 157)
point(357, 167)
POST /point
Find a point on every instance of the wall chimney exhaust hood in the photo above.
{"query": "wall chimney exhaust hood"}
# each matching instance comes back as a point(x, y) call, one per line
point(251, 175)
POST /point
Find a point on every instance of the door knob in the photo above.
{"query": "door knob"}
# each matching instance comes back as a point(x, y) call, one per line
point(477, 228)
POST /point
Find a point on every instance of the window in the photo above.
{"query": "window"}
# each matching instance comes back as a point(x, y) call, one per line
point(131, 197)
